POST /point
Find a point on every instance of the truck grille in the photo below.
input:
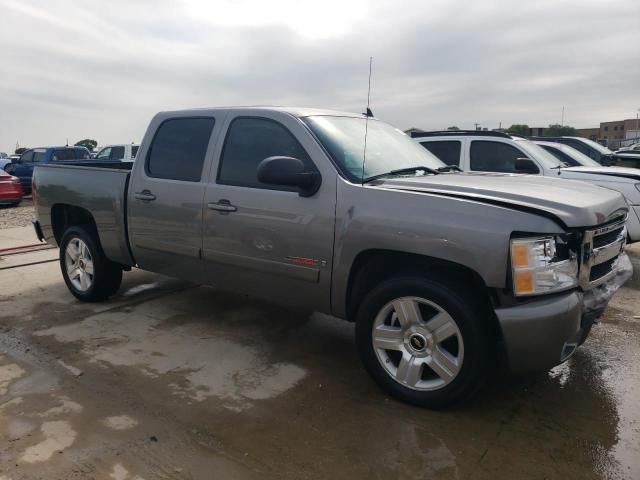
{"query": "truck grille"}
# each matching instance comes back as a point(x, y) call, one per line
point(600, 250)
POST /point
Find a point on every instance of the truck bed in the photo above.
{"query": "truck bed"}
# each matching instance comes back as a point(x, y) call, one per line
point(99, 189)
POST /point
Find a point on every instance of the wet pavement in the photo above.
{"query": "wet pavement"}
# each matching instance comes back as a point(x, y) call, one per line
point(174, 381)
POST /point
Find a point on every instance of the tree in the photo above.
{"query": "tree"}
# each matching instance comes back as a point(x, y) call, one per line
point(88, 143)
point(453, 127)
point(519, 129)
point(557, 130)
point(21, 150)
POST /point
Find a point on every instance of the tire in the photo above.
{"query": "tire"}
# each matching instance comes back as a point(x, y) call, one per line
point(89, 275)
point(432, 344)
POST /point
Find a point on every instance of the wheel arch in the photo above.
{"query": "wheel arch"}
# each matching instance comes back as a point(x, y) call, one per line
point(65, 216)
point(370, 267)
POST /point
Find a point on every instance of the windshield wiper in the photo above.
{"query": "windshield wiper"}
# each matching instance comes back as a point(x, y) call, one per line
point(450, 168)
point(562, 165)
point(401, 171)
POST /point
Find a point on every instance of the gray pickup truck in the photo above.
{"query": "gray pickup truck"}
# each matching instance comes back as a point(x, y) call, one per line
point(446, 275)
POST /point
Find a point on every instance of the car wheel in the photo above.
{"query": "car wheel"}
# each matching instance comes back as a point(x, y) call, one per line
point(89, 275)
point(422, 341)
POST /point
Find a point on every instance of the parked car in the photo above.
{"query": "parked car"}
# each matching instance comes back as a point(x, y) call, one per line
point(10, 189)
point(594, 150)
point(630, 158)
point(23, 167)
point(434, 267)
point(474, 151)
point(569, 155)
point(125, 152)
point(4, 161)
point(633, 148)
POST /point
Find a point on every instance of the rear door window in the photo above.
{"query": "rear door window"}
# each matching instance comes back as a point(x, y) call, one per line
point(490, 156)
point(117, 153)
point(178, 149)
point(249, 141)
point(446, 150)
point(39, 156)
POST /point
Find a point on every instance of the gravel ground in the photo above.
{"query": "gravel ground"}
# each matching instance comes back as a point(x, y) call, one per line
point(20, 216)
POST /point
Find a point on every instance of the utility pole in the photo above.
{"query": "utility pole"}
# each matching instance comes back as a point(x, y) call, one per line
point(562, 121)
point(477, 125)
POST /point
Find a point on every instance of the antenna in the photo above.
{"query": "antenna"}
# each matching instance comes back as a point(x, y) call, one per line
point(367, 114)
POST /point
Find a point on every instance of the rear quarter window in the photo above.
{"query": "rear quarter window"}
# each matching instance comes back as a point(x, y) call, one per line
point(68, 154)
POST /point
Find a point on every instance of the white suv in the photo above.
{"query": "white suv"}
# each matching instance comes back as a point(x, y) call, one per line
point(482, 151)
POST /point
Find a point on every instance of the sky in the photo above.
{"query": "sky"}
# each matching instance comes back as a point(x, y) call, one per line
point(101, 69)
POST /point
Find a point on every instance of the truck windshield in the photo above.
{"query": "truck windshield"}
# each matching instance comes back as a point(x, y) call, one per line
point(540, 154)
point(387, 147)
point(595, 145)
point(579, 157)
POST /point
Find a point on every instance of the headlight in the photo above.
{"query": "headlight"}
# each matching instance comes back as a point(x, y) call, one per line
point(542, 265)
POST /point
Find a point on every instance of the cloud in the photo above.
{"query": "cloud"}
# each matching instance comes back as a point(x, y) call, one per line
point(102, 69)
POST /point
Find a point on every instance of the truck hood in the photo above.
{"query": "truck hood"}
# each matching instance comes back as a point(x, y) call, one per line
point(624, 172)
point(570, 203)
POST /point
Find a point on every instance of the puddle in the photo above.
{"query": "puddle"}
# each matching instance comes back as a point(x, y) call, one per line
point(19, 427)
point(210, 364)
point(66, 406)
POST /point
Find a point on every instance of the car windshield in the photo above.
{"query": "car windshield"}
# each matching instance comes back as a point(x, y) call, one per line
point(387, 147)
point(540, 154)
point(579, 157)
point(601, 148)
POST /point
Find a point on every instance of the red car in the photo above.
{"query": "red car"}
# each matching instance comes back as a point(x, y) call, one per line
point(10, 189)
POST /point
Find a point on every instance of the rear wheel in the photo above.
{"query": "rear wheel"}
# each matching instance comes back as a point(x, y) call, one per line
point(422, 342)
point(89, 275)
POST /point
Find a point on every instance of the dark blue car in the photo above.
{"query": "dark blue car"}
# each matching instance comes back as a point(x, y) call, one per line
point(23, 167)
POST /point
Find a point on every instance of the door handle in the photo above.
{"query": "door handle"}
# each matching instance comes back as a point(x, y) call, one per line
point(144, 195)
point(223, 206)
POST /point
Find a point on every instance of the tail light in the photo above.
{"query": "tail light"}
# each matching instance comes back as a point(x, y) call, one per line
point(9, 179)
point(33, 189)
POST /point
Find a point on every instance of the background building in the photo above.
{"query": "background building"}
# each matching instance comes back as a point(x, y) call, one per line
point(614, 134)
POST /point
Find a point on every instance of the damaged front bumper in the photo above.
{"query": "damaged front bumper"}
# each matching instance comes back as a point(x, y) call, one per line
point(546, 331)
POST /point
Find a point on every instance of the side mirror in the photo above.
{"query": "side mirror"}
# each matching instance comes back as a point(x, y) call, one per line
point(526, 165)
point(290, 172)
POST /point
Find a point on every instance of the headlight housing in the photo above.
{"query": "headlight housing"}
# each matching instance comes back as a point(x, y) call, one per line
point(542, 265)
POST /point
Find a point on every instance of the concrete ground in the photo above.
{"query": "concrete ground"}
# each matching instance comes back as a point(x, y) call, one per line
point(174, 381)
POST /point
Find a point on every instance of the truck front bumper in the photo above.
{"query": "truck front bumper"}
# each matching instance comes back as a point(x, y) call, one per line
point(544, 332)
point(633, 224)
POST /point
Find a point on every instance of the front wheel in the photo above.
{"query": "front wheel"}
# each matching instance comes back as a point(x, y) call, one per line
point(422, 342)
point(89, 275)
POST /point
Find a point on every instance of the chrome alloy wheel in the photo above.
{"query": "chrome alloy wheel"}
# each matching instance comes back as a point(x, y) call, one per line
point(418, 343)
point(79, 264)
